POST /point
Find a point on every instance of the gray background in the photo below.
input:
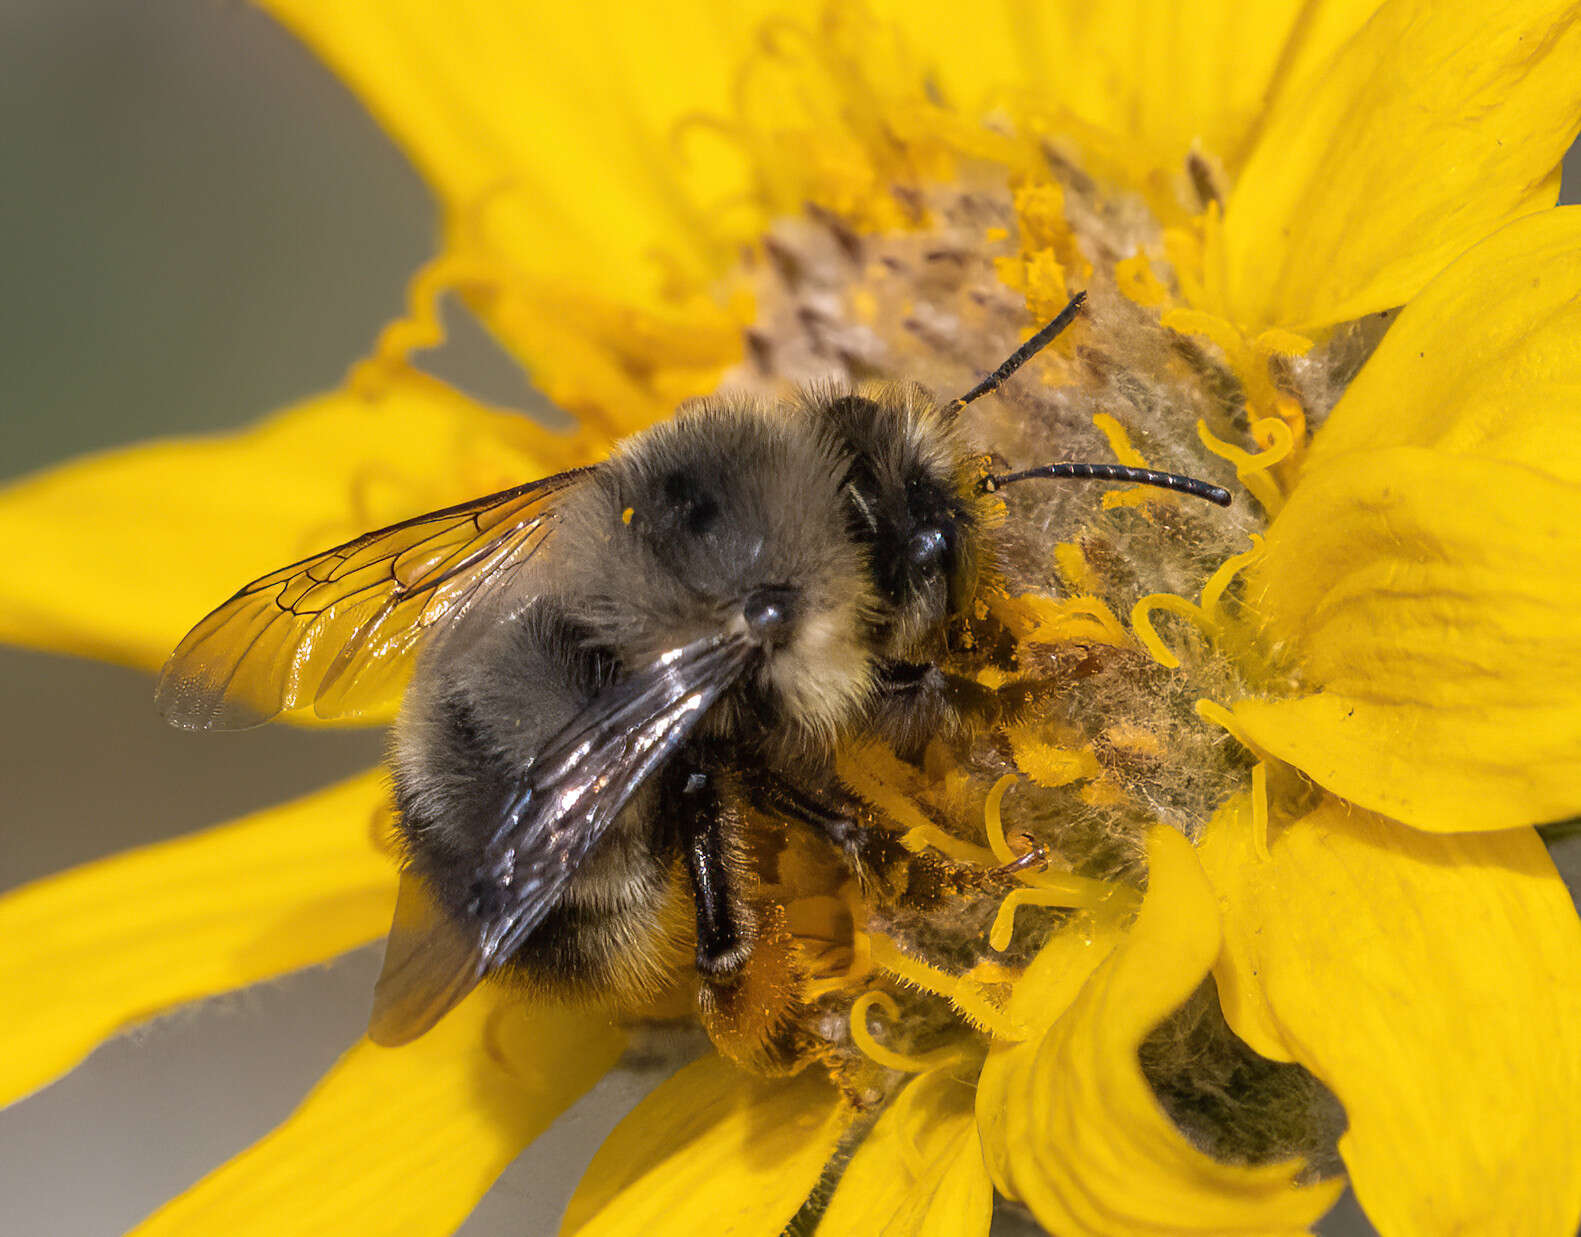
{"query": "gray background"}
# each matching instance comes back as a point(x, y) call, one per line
point(200, 225)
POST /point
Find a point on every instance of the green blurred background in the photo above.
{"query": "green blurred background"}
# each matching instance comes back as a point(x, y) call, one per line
point(199, 225)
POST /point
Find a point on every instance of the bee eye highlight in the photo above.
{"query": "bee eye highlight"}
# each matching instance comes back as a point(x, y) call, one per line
point(928, 548)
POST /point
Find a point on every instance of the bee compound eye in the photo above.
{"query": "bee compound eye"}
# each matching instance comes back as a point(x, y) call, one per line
point(927, 548)
point(767, 613)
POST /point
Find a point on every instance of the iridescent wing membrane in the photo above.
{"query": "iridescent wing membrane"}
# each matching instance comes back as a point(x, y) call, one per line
point(549, 822)
point(336, 630)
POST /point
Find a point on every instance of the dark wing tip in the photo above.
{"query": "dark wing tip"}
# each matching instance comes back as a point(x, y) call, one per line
point(430, 965)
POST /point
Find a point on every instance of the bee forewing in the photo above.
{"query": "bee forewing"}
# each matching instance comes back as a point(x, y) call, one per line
point(337, 630)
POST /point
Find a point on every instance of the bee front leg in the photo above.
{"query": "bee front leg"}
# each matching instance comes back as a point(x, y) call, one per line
point(874, 853)
point(916, 703)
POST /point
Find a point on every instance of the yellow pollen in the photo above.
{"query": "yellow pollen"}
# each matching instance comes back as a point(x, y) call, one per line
point(1277, 342)
point(1049, 764)
point(1135, 277)
point(1104, 791)
point(1129, 737)
point(1210, 326)
point(1071, 563)
point(625, 516)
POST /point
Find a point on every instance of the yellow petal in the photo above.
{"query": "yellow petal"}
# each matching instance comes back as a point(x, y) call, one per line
point(1038, 1000)
point(551, 132)
point(1154, 75)
point(115, 556)
point(1434, 983)
point(711, 1150)
point(1429, 603)
point(405, 1141)
point(1484, 361)
point(102, 947)
point(1086, 1145)
point(919, 1170)
point(1430, 128)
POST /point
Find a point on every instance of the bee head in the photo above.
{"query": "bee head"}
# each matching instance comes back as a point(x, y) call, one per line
point(912, 501)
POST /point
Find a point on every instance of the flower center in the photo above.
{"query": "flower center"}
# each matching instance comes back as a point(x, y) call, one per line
point(1115, 627)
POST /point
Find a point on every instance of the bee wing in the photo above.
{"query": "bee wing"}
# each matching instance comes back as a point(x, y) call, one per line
point(430, 963)
point(549, 822)
point(334, 630)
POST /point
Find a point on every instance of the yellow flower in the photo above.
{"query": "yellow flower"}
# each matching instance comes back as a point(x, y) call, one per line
point(1325, 769)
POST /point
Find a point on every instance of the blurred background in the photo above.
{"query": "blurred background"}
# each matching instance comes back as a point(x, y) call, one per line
point(200, 225)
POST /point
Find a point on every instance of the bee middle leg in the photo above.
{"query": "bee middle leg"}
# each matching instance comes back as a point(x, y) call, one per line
point(752, 997)
point(709, 847)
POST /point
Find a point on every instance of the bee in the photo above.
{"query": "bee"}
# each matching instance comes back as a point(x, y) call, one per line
point(608, 664)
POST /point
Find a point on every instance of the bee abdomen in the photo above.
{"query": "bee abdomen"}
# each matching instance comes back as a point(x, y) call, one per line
point(474, 721)
point(622, 948)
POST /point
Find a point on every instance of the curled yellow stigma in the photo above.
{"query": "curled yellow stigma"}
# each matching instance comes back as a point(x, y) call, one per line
point(1147, 634)
point(1252, 468)
point(906, 1063)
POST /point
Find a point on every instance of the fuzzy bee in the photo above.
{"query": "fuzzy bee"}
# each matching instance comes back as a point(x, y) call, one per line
point(609, 661)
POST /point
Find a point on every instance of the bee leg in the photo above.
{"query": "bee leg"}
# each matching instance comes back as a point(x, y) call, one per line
point(751, 1000)
point(875, 854)
point(919, 702)
point(774, 793)
point(722, 938)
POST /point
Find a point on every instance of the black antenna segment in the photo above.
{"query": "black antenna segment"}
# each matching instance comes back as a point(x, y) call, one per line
point(1115, 472)
point(1088, 472)
point(1023, 354)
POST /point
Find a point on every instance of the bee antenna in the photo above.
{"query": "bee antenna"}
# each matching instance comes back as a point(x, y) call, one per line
point(1115, 472)
point(1022, 355)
